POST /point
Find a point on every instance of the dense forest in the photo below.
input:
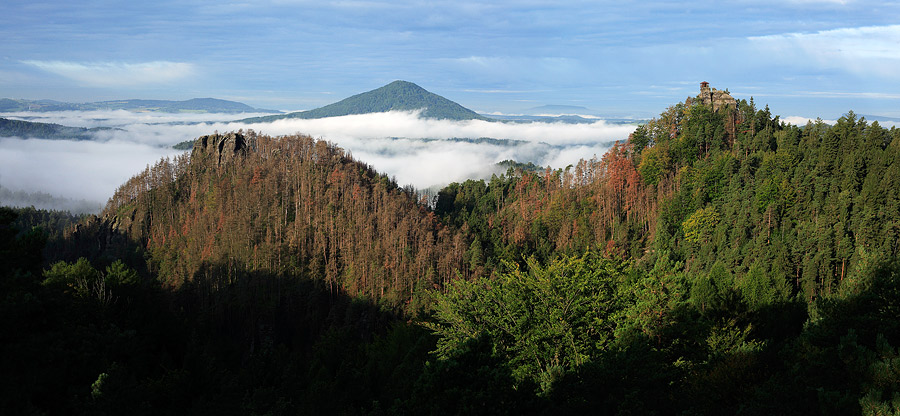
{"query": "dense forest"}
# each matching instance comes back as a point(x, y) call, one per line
point(47, 131)
point(716, 262)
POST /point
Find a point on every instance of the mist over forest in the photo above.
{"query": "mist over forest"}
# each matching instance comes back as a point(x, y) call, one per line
point(424, 153)
point(450, 208)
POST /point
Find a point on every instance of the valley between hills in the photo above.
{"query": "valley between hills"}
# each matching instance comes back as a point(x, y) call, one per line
point(718, 260)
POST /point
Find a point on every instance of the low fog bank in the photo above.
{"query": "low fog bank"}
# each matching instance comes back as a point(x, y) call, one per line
point(78, 170)
point(424, 153)
point(801, 121)
point(408, 124)
point(43, 200)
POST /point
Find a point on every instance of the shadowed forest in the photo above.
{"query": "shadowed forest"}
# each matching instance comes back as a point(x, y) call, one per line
point(716, 262)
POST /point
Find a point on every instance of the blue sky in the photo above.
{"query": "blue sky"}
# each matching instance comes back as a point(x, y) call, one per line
point(802, 58)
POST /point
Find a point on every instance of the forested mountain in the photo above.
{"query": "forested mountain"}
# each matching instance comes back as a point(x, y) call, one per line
point(48, 131)
point(289, 206)
point(200, 105)
point(719, 261)
point(807, 204)
point(396, 96)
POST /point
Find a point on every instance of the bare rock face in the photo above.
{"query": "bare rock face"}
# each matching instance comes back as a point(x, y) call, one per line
point(715, 98)
point(223, 148)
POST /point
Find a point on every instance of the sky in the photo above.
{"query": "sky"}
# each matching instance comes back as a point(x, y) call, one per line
point(804, 58)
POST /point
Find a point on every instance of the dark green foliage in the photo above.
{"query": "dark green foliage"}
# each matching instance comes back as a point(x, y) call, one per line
point(720, 262)
point(542, 321)
point(796, 207)
point(758, 222)
point(47, 131)
point(519, 166)
point(185, 145)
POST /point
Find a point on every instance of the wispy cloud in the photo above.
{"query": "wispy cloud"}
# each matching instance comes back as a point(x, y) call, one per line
point(826, 94)
point(117, 74)
point(868, 51)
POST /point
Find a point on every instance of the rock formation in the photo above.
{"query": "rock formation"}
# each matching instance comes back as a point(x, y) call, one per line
point(224, 148)
point(715, 98)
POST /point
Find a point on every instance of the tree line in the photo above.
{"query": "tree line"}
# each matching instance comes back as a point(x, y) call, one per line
point(714, 262)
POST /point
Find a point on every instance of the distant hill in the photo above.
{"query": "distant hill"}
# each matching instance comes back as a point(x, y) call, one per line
point(526, 167)
point(396, 96)
point(878, 118)
point(198, 105)
point(559, 109)
point(49, 131)
point(568, 119)
point(569, 114)
point(185, 145)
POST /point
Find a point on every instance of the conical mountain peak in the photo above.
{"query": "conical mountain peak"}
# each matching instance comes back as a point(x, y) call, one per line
point(396, 96)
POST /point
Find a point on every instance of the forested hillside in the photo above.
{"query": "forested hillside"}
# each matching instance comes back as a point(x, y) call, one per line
point(48, 131)
point(719, 261)
point(289, 206)
point(808, 206)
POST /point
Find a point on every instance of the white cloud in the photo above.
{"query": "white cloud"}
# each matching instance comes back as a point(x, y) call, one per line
point(425, 163)
point(802, 121)
point(117, 74)
point(408, 124)
point(77, 170)
point(414, 150)
point(870, 50)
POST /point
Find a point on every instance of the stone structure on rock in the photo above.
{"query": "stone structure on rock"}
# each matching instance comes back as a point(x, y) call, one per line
point(224, 148)
point(715, 98)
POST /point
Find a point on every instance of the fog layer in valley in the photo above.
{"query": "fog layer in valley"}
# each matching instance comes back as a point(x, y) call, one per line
point(419, 152)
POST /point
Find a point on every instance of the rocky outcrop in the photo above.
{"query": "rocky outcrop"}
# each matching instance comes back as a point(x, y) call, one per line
point(102, 240)
point(715, 98)
point(223, 148)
